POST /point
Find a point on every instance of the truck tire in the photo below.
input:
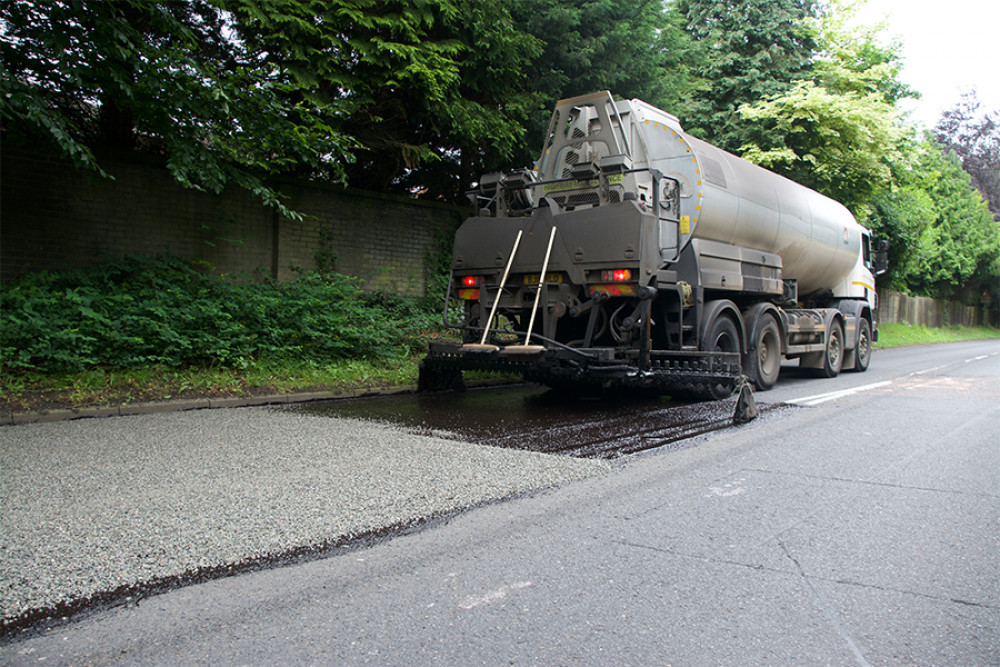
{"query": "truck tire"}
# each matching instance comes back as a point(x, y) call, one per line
point(863, 354)
point(723, 336)
point(833, 356)
point(766, 357)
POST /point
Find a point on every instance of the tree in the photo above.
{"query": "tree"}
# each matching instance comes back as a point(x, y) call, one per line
point(165, 78)
point(481, 125)
point(838, 133)
point(856, 57)
point(628, 48)
point(974, 135)
point(430, 89)
point(757, 49)
point(682, 58)
point(369, 59)
point(634, 49)
point(843, 145)
point(900, 215)
point(417, 96)
point(959, 249)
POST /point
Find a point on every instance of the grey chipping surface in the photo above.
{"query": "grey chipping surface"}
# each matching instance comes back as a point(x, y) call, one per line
point(91, 505)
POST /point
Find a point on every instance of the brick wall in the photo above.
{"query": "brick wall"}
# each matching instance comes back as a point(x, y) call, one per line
point(54, 216)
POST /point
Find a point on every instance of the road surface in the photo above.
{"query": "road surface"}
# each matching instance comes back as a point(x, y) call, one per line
point(861, 527)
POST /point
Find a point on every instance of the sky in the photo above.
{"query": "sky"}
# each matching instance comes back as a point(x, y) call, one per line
point(949, 48)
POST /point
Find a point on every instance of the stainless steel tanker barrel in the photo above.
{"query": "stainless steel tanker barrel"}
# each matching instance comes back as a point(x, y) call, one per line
point(730, 200)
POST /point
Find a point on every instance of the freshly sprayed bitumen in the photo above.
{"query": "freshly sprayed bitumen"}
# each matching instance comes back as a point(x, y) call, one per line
point(538, 419)
point(94, 509)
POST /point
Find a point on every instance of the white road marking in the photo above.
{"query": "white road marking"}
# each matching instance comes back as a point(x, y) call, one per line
point(833, 395)
point(472, 602)
point(724, 492)
point(929, 370)
point(728, 490)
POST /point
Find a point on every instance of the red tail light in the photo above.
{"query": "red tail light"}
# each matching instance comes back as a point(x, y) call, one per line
point(468, 288)
point(617, 275)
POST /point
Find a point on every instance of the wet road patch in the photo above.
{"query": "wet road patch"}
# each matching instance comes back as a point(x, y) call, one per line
point(539, 419)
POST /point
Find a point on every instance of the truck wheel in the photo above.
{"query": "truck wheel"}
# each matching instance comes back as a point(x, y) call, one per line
point(766, 359)
point(833, 357)
point(863, 355)
point(722, 337)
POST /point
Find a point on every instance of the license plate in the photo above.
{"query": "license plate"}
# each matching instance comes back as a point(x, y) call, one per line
point(532, 278)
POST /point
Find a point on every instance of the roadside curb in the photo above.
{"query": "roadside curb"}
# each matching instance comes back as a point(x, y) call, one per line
point(180, 405)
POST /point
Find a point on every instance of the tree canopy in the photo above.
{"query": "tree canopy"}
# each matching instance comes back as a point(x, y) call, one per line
point(165, 78)
point(409, 87)
point(412, 96)
point(755, 49)
point(422, 96)
point(839, 131)
point(974, 134)
point(843, 145)
point(959, 248)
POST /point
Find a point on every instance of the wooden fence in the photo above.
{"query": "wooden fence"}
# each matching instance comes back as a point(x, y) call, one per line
point(924, 311)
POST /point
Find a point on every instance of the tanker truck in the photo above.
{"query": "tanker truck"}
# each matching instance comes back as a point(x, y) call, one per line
point(634, 255)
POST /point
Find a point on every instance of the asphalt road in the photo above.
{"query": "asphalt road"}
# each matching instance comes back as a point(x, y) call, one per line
point(861, 528)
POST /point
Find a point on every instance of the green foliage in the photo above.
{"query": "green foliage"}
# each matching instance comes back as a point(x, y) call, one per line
point(437, 268)
point(428, 88)
point(839, 132)
point(437, 92)
point(480, 123)
point(756, 49)
point(899, 215)
point(422, 96)
point(856, 58)
point(974, 134)
point(842, 145)
point(634, 49)
point(960, 245)
point(388, 94)
point(134, 312)
point(326, 258)
point(165, 78)
point(30, 390)
point(369, 59)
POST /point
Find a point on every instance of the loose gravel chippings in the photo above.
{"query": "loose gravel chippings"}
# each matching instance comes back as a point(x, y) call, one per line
point(91, 505)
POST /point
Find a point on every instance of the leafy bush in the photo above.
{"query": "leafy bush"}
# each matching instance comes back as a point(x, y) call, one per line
point(136, 311)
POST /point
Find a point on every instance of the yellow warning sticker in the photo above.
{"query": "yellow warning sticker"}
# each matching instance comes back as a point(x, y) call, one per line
point(685, 224)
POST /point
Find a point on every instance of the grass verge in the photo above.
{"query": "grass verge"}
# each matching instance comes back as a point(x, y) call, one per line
point(21, 392)
point(899, 334)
